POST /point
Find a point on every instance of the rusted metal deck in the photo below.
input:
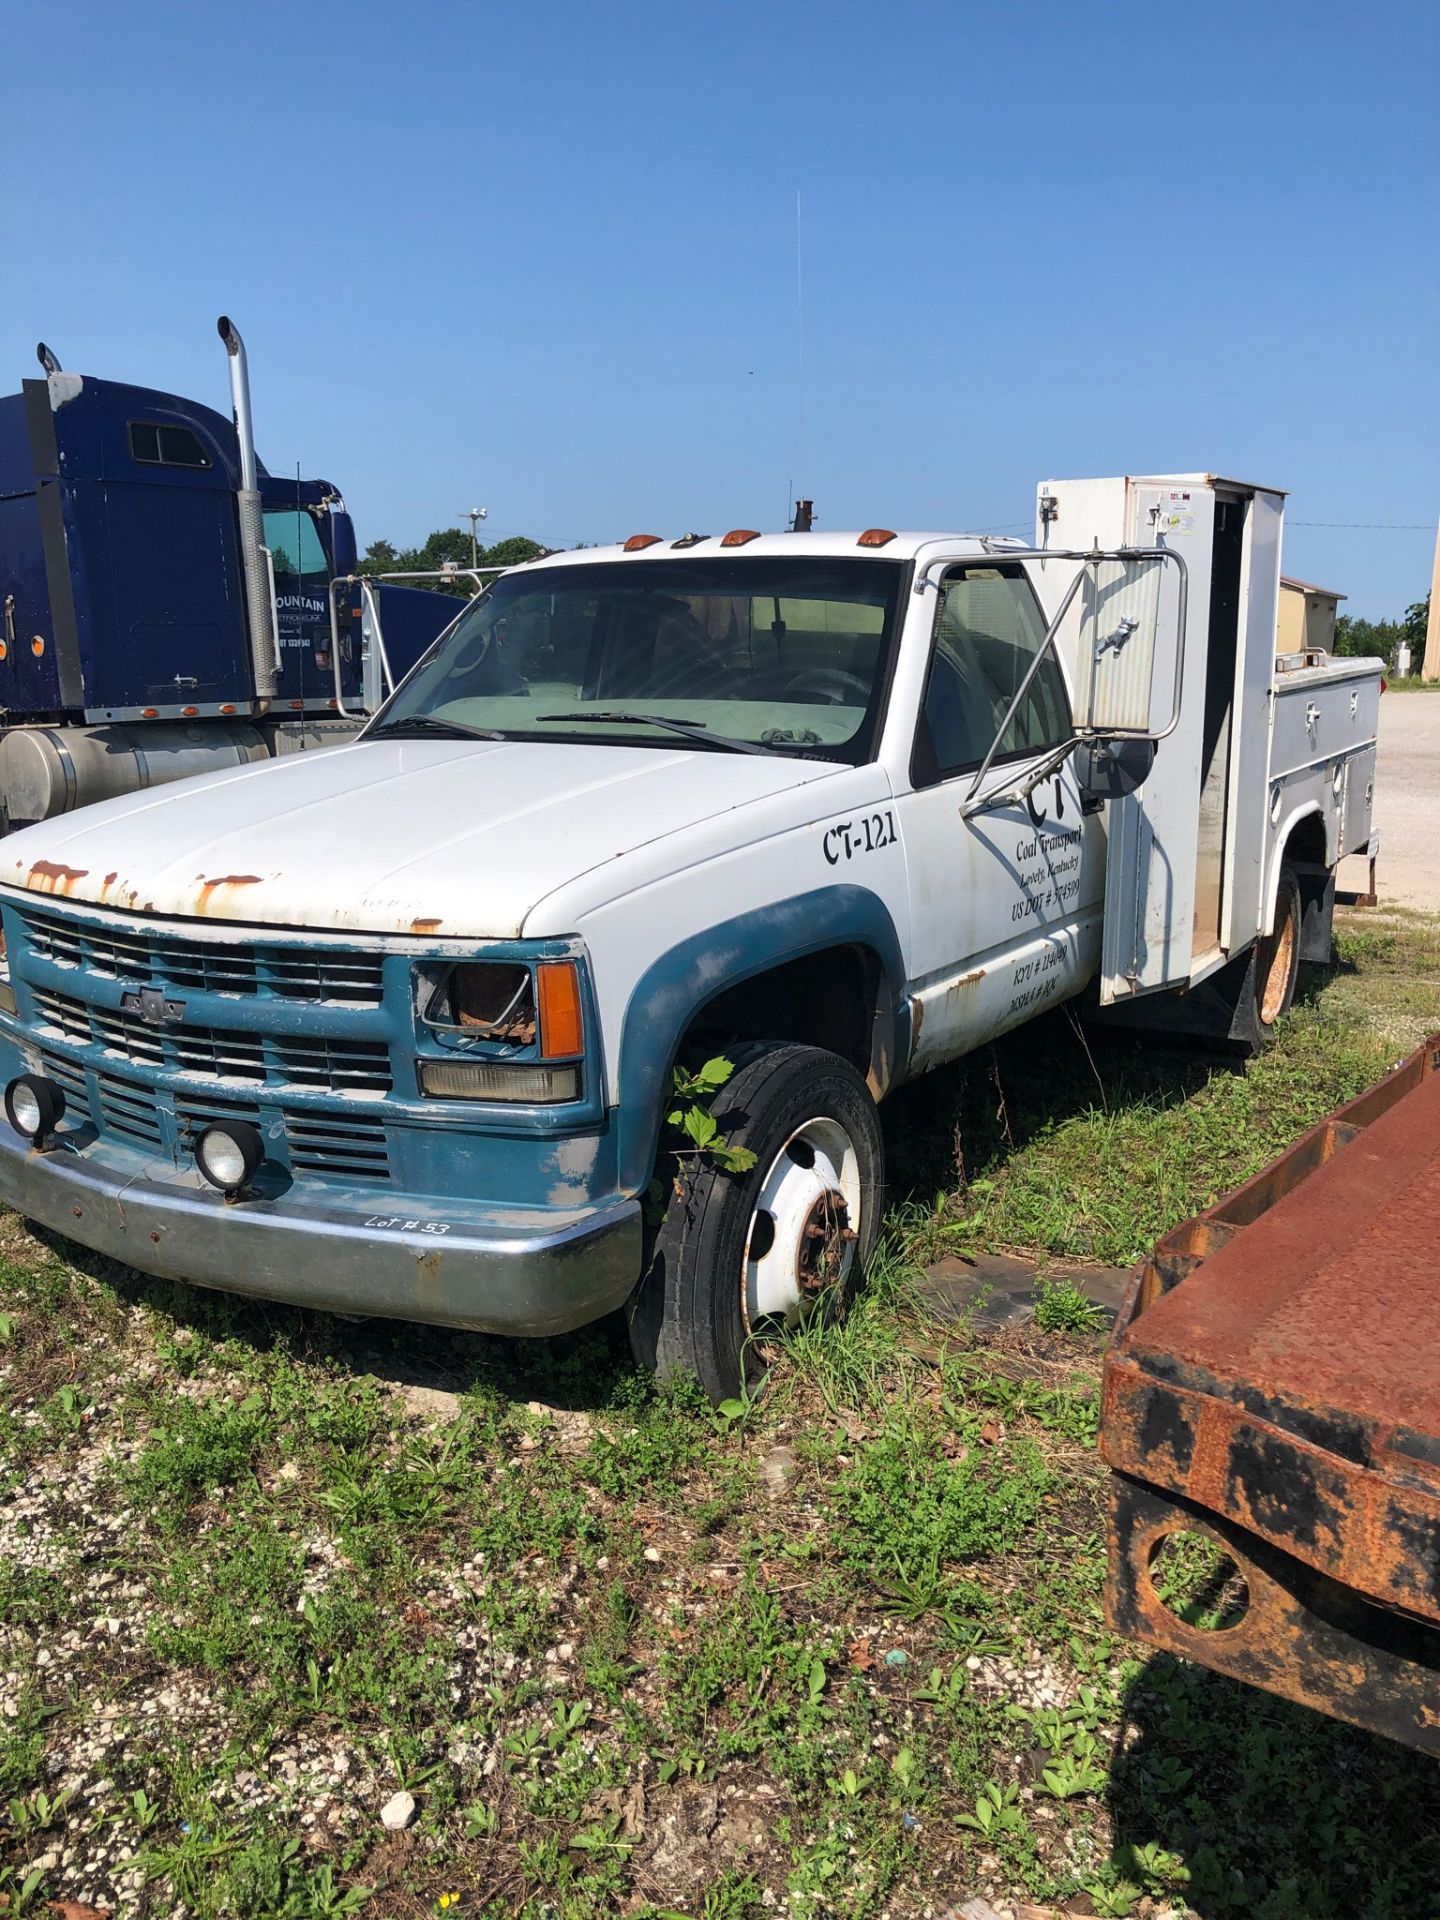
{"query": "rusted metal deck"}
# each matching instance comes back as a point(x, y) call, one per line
point(1273, 1382)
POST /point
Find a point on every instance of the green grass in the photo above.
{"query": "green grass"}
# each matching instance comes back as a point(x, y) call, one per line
point(619, 1666)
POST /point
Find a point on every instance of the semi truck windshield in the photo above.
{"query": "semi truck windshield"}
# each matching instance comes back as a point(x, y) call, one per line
point(789, 656)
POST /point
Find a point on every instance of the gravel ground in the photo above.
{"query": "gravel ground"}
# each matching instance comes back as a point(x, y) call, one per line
point(1407, 804)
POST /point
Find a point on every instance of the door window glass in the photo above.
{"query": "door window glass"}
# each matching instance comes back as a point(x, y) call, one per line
point(987, 633)
point(294, 543)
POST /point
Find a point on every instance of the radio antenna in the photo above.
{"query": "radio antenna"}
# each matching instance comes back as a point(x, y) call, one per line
point(799, 351)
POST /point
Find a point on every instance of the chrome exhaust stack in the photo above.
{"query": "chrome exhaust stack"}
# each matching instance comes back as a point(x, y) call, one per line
point(254, 556)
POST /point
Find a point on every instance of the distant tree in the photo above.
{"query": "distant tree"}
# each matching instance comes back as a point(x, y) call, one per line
point(1356, 638)
point(1417, 624)
point(1383, 637)
point(511, 553)
point(447, 546)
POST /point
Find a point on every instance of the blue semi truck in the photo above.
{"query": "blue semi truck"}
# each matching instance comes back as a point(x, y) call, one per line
point(166, 605)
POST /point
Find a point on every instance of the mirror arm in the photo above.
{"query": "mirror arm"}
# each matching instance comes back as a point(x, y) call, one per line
point(1044, 647)
point(1011, 796)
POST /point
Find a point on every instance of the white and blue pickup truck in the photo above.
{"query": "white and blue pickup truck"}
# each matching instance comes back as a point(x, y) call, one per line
point(391, 1028)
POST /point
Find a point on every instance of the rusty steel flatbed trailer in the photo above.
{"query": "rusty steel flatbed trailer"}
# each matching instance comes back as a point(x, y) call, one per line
point(1273, 1383)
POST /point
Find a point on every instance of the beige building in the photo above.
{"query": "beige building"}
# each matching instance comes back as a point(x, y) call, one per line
point(1307, 616)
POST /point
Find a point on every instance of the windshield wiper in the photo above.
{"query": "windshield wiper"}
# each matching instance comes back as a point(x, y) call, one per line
point(692, 729)
point(432, 723)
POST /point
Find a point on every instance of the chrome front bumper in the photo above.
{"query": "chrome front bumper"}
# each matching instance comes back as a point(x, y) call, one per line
point(492, 1269)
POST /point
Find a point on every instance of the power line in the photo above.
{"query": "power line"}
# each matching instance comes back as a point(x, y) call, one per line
point(1368, 526)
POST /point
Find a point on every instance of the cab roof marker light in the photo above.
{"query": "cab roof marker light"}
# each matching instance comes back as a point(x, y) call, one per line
point(689, 540)
point(639, 541)
point(875, 537)
point(739, 536)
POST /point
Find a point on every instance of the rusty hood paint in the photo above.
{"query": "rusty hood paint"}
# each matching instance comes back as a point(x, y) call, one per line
point(444, 838)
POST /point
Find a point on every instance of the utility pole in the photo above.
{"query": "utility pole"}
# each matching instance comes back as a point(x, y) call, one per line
point(1430, 669)
point(474, 515)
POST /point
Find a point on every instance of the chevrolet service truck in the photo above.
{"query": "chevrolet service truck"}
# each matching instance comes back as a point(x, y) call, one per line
point(391, 1029)
point(165, 603)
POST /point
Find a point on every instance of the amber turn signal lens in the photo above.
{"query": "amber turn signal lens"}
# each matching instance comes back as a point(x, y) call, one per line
point(875, 537)
point(638, 541)
point(738, 536)
point(558, 990)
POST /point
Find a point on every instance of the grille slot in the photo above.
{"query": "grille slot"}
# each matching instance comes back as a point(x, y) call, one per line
point(337, 1148)
point(345, 1066)
point(320, 975)
point(192, 1116)
point(65, 1073)
point(70, 1018)
point(116, 1034)
point(189, 963)
point(291, 973)
point(229, 1056)
point(334, 1066)
point(128, 1109)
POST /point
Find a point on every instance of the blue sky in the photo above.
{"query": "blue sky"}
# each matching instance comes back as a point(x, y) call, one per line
point(542, 258)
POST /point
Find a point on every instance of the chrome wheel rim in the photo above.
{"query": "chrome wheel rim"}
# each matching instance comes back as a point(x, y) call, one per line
point(804, 1227)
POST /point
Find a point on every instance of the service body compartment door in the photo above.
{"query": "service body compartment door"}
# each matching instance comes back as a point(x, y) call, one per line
point(1153, 834)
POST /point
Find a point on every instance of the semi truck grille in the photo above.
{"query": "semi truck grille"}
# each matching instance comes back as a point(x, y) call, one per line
point(320, 975)
point(333, 1066)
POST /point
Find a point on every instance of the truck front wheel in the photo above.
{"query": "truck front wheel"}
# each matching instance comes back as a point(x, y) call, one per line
point(740, 1256)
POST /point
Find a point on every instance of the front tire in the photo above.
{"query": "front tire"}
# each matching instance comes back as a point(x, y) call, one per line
point(740, 1256)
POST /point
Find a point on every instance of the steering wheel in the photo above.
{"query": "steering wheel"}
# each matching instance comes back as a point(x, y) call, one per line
point(829, 685)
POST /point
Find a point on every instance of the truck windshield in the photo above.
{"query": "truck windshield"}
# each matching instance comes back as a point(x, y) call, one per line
point(789, 656)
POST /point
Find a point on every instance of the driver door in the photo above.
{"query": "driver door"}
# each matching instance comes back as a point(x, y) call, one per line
point(1006, 904)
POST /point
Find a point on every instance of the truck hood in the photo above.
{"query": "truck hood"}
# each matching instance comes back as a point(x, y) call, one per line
point(436, 838)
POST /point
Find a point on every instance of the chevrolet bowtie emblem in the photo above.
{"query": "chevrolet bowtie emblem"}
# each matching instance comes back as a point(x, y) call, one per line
point(153, 1008)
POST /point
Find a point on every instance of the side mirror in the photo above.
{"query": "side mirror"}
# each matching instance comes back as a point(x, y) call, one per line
point(1106, 769)
point(344, 556)
point(1121, 621)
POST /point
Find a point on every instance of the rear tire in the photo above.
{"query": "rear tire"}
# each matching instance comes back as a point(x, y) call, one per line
point(1267, 985)
point(738, 1255)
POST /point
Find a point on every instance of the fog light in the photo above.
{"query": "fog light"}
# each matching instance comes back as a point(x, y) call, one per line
point(497, 1080)
point(34, 1107)
point(229, 1155)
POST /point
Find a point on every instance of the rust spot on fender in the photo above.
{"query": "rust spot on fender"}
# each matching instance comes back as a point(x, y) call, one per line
point(425, 926)
point(969, 979)
point(48, 876)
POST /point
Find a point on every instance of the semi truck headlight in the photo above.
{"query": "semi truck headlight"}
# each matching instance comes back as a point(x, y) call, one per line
point(34, 1107)
point(228, 1155)
point(499, 1080)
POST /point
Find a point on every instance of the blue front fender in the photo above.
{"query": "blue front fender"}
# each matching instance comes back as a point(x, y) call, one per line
point(675, 987)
